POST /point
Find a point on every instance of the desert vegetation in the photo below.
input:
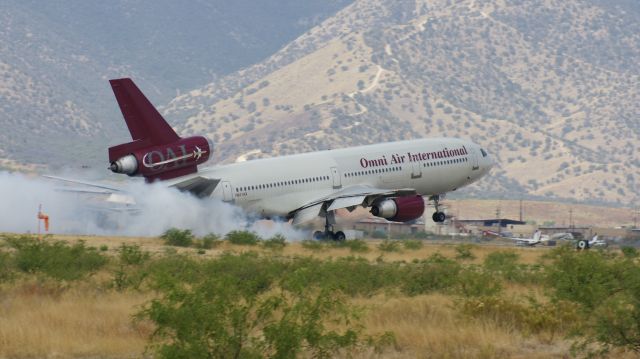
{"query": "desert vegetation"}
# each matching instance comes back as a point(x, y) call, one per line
point(248, 297)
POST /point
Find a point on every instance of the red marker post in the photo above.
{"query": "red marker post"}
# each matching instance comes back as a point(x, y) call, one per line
point(42, 217)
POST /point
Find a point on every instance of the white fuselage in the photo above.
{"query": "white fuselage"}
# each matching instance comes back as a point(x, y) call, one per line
point(277, 186)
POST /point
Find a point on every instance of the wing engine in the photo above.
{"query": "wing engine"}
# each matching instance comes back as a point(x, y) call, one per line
point(399, 209)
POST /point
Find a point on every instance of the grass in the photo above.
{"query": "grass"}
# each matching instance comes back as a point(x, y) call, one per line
point(428, 324)
point(38, 321)
point(90, 318)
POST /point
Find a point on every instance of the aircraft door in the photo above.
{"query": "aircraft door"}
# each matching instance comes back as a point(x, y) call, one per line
point(227, 192)
point(416, 170)
point(337, 183)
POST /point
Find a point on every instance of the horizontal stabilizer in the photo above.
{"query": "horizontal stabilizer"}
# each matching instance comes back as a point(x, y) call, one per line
point(86, 183)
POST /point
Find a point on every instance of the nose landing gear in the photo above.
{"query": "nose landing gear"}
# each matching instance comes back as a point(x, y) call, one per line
point(437, 216)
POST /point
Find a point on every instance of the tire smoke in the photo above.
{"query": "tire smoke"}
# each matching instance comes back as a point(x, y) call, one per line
point(143, 210)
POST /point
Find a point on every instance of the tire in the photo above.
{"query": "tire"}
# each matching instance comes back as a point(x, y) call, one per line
point(441, 217)
point(339, 236)
point(582, 244)
point(435, 216)
point(318, 236)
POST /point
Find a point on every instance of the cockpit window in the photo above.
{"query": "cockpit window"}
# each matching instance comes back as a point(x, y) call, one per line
point(484, 153)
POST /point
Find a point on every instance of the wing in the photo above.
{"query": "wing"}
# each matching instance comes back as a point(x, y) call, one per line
point(348, 197)
point(198, 186)
point(109, 189)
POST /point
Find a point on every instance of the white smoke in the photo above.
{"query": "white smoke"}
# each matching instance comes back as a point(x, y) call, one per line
point(156, 209)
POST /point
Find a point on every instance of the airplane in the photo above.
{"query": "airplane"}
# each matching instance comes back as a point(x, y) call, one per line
point(389, 178)
point(537, 238)
point(594, 242)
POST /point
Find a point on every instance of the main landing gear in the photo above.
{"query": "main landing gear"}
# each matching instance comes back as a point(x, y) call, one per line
point(437, 216)
point(328, 233)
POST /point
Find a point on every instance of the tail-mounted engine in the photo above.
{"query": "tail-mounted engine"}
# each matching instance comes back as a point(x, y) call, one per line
point(160, 162)
point(399, 209)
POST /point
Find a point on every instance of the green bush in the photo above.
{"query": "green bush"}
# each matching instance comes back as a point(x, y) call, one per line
point(606, 289)
point(352, 276)
point(474, 282)
point(58, 260)
point(526, 314)
point(244, 238)
point(505, 264)
point(437, 273)
point(165, 271)
point(104, 248)
point(220, 317)
point(629, 252)
point(132, 254)
point(588, 277)
point(463, 251)
point(614, 323)
point(128, 273)
point(177, 237)
point(277, 242)
point(412, 244)
point(389, 246)
point(209, 241)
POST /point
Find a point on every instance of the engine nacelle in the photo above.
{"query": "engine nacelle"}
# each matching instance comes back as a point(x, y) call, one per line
point(160, 162)
point(399, 209)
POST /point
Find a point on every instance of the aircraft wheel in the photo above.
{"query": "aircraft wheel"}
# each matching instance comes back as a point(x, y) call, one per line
point(339, 236)
point(318, 236)
point(438, 217)
point(582, 244)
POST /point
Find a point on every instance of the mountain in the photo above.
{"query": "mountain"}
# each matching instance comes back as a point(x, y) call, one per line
point(551, 88)
point(56, 107)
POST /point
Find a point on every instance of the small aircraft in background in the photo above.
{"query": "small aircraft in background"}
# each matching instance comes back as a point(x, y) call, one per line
point(594, 242)
point(536, 239)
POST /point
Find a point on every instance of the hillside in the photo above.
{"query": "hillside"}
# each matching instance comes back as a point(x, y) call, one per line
point(56, 106)
point(551, 88)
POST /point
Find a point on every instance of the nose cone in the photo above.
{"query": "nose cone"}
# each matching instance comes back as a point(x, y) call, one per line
point(488, 162)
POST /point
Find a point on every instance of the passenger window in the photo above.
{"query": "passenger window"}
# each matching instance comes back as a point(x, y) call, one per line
point(484, 154)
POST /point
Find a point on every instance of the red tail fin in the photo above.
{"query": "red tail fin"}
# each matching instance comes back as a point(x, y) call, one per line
point(142, 118)
point(156, 151)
